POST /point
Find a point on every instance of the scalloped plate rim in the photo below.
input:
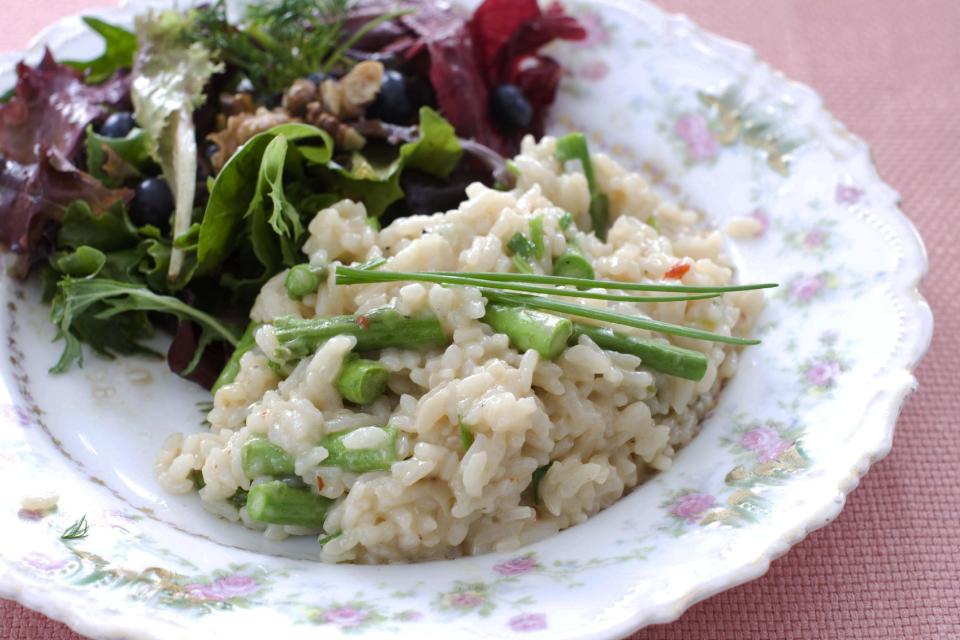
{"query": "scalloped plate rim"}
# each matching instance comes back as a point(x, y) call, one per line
point(898, 384)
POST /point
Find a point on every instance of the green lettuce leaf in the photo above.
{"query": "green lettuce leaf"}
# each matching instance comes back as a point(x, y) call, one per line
point(271, 206)
point(84, 262)
point(169, 77)
point(133, 152)
point(154, 266)
point(376, 183)
point(110, 231)
point(120, 46)
point(437, 151)
point(239, 192)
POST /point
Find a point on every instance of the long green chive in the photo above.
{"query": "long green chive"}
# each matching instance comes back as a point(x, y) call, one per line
point(349, 275)
point(536, 278)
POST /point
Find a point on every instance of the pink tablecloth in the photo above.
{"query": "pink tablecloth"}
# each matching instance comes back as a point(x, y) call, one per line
point(889, 566)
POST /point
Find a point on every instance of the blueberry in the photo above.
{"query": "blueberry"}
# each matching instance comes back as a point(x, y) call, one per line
point(152, 204)
point(510, 107)
point(392, 103)
point(118, 125)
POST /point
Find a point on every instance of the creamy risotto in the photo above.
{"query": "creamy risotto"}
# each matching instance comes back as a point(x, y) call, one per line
point(474, 444)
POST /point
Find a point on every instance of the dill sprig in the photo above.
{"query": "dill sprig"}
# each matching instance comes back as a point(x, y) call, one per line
point(77, 530)
point(278, 42)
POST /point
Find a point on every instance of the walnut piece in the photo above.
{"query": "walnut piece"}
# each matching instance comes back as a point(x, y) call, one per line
point(240, 128)
point(348, 97)
point(345, 137)
point(233, 103)
point(301, 93)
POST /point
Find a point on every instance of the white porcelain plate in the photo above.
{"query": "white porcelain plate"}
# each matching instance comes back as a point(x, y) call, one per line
point(808, 412)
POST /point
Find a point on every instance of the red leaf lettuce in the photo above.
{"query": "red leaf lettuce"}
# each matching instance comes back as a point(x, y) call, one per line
point(40, 129)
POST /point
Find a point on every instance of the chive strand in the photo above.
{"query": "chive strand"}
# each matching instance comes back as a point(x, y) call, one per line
point(537, 278)
point(348, 276)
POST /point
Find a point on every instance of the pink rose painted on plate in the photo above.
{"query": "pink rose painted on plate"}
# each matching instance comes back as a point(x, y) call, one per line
point(516, 566)
point(690, 506)
point(528, 622)
point(805, 288)
point(814, 239)
point(44, 562)
point(765, 442)
point(465, 600)
point(847, 194)
point(223, 589)
point(410, 615)
point(344, 616)
point(823, 374)
point(15, 414)
point(694, 130)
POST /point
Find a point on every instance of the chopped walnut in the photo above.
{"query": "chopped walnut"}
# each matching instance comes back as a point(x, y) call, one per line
point(233, 103)
point(301, 93)
point(344, 136)
point(361, 86)
point(242, 127)
point(330, 97)
point(348, 97)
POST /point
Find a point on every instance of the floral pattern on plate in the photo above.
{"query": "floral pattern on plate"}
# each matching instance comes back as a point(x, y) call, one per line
point(712, 127)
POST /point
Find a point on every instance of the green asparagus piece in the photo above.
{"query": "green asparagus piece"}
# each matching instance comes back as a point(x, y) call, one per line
point(572, 264)
point(359, 460)
point(301, 280)
point(603, 315)
point(378, 329)
point(260, 457)
point(278, 503)
point(574, 147)
point(527, 329)
point(600, 214)
point(362, 381)
point(659, 356)
point(232, 368)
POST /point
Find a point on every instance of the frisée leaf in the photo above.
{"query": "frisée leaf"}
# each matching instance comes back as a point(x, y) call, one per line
point(169, 78)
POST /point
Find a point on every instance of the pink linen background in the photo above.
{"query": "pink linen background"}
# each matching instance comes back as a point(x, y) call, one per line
point(888, 567)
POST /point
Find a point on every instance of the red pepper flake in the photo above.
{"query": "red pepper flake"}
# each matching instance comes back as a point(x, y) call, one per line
point(363, 321)
point(320, 484)
point(677, 271)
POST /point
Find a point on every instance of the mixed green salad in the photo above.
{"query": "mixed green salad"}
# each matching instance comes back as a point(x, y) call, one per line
point(159, 185)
